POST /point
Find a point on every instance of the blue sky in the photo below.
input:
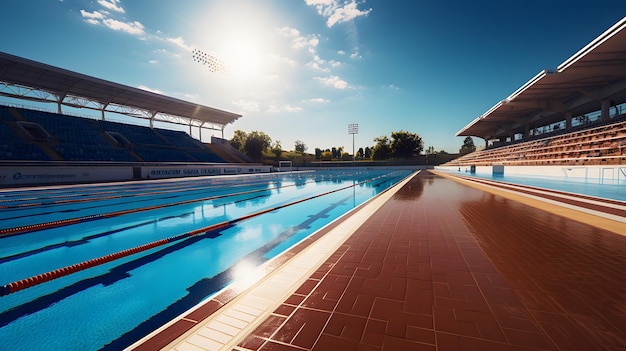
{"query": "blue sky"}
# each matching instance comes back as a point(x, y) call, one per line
point(305, 69)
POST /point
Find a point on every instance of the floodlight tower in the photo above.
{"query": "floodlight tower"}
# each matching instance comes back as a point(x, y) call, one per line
point(213, 63)
point(353, 128)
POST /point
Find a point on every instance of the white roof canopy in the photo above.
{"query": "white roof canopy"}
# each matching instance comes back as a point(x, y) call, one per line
point(578, 86)
point(29, 80)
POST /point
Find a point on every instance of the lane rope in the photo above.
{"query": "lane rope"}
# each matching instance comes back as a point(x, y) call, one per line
point(61, 272)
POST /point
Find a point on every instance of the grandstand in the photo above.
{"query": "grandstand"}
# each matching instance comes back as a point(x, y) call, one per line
point(42, 147)
point(572, 116)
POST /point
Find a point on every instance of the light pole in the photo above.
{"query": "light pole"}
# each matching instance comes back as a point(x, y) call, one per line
point(353, 128)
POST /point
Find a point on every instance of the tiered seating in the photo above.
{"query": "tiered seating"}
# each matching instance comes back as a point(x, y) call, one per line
point(191, 146)
point(13, 147)
point(83, 139)
point(604, 144)
point(153, 146)
point(78, 138)
point(135, 134)
point(223, 148)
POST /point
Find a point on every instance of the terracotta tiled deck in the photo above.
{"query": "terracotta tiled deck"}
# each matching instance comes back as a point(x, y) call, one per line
point(445, 266)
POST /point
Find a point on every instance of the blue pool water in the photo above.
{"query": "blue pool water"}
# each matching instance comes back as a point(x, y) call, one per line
point(112, 305)
point(615, 190)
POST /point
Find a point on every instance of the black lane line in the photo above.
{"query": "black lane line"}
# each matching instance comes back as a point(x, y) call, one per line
point(140, 191)
point(85, 239)
point(208, 286)
point(47, 225)
point(61, 272)
point(120, 272)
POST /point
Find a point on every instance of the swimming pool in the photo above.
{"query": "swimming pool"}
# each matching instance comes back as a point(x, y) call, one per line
point(111, 304)
point(615, 189)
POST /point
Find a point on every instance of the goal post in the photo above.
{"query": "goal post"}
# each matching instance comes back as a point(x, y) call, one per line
point(285, 166)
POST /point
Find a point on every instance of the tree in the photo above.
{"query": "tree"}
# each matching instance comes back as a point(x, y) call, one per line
point(300, 147)
point(238, 140)
point(360, 152)
point(382, 149)
point(368, 152)
point(405, 144)
point(277, 149)
point(468, 146)
point(318, 153)
point(256, 144)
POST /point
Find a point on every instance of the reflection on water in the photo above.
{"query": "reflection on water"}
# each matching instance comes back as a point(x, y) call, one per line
point(172, 278)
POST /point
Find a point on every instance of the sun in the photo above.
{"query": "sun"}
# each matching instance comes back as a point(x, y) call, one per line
point(242, 52)
point(243, 39)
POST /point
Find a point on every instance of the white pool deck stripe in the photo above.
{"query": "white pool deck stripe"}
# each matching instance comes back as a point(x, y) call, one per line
point(224, 329)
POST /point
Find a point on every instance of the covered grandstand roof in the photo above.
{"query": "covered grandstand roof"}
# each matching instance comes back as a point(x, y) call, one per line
point(25, 79)
point(578, 86)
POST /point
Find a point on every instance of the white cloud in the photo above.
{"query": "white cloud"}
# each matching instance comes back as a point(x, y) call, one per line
point(336, 12)
point(299, 41)
point(111, 5)
point(247, 105)
point(333, 81)
point(179, 42)
point(283, 108)
point(283, 60)
point(92, 15)
point(134, 28)
point(317, 64)
point(103, 17)
point(310, 43)
point(289, 32)
point(317, 100)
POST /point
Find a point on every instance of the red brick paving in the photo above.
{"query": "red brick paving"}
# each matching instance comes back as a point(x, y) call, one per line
point(443, 266)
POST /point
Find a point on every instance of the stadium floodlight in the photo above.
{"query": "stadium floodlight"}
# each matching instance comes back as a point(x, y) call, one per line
point(213, 63)
point(353, 128)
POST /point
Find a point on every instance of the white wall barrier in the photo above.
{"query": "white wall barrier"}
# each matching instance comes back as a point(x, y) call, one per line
point(38, 175)
point(160, 172)
point(23, 175)
point(600, 174)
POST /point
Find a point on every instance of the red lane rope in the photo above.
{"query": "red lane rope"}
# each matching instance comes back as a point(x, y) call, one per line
point(69, 221)
point(61, 272)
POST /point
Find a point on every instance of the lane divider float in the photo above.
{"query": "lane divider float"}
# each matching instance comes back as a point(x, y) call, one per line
point(61, 272)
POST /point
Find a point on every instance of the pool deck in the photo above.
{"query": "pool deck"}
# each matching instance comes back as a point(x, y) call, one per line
point(439, 262)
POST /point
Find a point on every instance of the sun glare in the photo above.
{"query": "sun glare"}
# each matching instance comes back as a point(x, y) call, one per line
point(245, 274)
point(242, 38)
point(242, 52)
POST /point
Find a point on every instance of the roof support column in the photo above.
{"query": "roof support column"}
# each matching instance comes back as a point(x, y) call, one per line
point(526, 131)
point(568, 120)
point(604, 115)
point(104, 107)
point(154, 113)
point(59, 102)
